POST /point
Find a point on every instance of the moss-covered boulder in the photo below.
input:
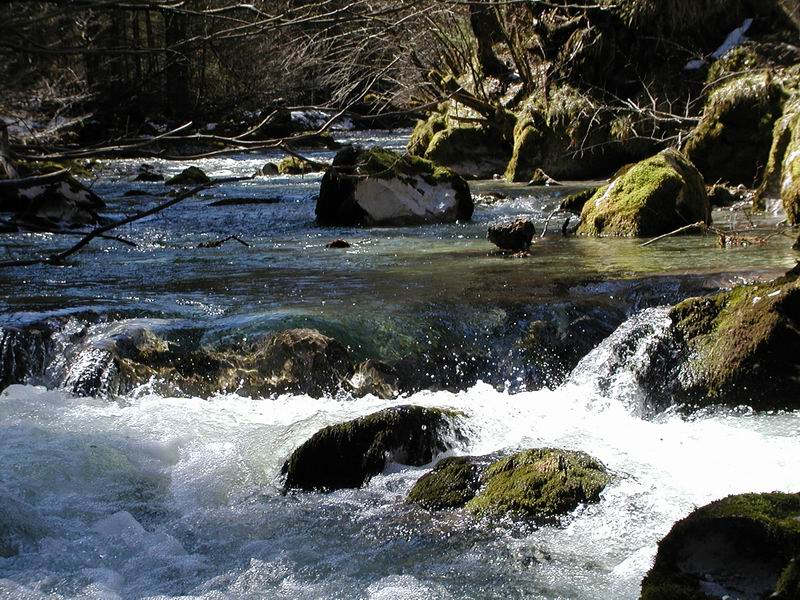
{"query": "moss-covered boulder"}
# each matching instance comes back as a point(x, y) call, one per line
point(575, 202)
point(782, 176)
point(472, 152)
point(189, 176)
point(655, 196)
point(740, 547)
point(541, 484)
point(732, 142)
point(379, 187)
point(349, 454)
point(423, 134)
point(291, 165)
point(743, 346)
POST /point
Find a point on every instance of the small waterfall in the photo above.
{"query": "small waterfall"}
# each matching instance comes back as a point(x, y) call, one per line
point(635, 364)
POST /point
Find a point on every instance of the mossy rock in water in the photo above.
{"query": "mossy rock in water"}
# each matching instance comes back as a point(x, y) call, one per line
point(423, 134)
point(574, 203)
point(733, 139)
point(472, 152)
point(740, 547)
point(541, 484)
point(375, 186)
point(347, 455)
point(743, 346)
point(782, 176)
point(655, 196)
point(189, 176)
point(291, 165)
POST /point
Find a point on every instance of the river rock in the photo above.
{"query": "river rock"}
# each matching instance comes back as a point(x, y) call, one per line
point(782, 176)
point(719, 195)
point(423, 134)
point(380, 187)
point(189, 176)
point(540, 178)
point(347, 455)
point(742, 346)
point(574, 203)
point(732, 141)
point(653, 197)
point(291, 165)
point(541, 484)
point(64, 202)
point(376, 378)
point(514, 236)
point(472, 152)
point(744, 546)
point(147, 172)
point(269, 170)
point(338, 244)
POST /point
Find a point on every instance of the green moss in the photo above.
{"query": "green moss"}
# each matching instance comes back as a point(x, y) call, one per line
point(733, 139)
point(788, 586)
point(760, 528)
point(423, 134)
point(528, 150)
point(36, 167)
point(655, 196)
point(574, 203)
point(451, 484)
point(291, 165)
point(744, 344)
point(540, 483)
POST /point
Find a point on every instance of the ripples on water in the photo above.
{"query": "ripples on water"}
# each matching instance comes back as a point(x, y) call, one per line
point(153, 497)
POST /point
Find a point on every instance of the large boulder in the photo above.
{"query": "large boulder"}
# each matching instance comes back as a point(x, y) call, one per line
point(472, 152)
point(51, 203)
point(655, 196)
point(189, 176)
point(742, 346)
point(423, 134)
point(731, 143)
point(744, 546)
point(347, 455)
point(380, 187)
point(291, 165)
point(782, 176)
point(541, 484)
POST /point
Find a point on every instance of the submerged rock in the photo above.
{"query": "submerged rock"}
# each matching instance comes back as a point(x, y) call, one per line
point(379, 187)
point(655, 196)
point(269, 169)
point(513, 236)
point(340, 244)
point(147, 172)
point(732, 141)
point(541, 483)
point(744, 546)
point(349, 454)
point(743, 346)
point(376, 378)
point(189, 176)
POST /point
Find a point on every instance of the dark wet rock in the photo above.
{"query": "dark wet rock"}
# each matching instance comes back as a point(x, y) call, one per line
point(743, 346)
point(244, 201)
point(147, 172)
point(376, 378)
point(338, 244)
point(349, 454)
point(574, 203)
point(379, 187)
point(291, 165)
point(269, 170)
point(323, 141)
point(513, 236)
point(720, 195)
point(24, 352)
point(655, 196)
point(131, 193)
point(541, 484)
point(64, 202)
point(732, 141)
point(8, 226)
point(541, 178)
point(743, 546)
point(189, 176)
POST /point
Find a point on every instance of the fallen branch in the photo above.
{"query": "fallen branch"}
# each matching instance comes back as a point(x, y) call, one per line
point(546, 223)
point(59, 257)
point(34, 180)
point(699, 225)
point(218, 243)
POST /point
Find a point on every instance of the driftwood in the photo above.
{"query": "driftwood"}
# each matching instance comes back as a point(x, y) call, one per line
point(699, 225)
point(218, 243)
point(59, 257)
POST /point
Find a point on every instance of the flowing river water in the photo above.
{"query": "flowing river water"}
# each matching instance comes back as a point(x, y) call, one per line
point(147, 496)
